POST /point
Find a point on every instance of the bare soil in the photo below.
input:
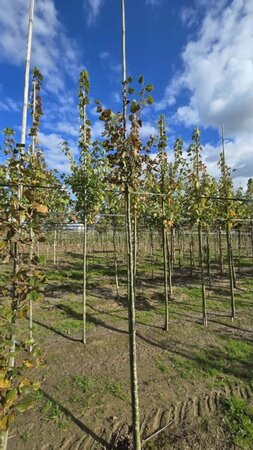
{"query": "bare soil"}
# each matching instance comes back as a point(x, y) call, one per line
point(184, 374)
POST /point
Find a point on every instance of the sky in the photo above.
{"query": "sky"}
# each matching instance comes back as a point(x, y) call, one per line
point(198, 54)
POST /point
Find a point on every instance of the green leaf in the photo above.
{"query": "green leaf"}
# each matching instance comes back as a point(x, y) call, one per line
point(10, 398)
point(25, 404)
point(134, 107)
point(141, 79)
point(150, 100)
point(149, 88)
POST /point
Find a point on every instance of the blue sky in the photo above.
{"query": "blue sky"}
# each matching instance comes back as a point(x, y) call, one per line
point(198, 54)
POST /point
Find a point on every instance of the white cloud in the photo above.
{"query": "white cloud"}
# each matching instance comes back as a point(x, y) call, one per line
point(147, 130)
point(93, 8)
point(188, 16)
point(238, 156)
point(117, 97)
point(65, 128)
point(97, 129)
point(218, 71)
point(52, 50)
point(108, 62)
point(8, 105)
point(54, 155)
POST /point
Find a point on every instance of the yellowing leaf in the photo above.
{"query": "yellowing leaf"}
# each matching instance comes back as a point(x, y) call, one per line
point(27, 363)
point(10, 398)
point(43, 209)
point(4, 423)
point(25, 382)
point(5, 384)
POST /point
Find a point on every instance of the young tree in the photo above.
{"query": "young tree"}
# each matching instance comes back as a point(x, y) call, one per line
point(26, 282)
point(86, 179)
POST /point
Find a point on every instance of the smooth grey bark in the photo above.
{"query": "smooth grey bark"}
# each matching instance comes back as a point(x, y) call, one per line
point(208, 258)
point(115, 261)
point(130, 266)
point(84, 277)
point(169, 267)
point(132, 329)
point(152, 253)
point(4, 440)
point(230, 272)
point(201, 263)
point(220, 250)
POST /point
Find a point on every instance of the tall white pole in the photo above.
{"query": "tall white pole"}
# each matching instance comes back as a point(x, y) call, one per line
point(124, 92)
point(27, 72)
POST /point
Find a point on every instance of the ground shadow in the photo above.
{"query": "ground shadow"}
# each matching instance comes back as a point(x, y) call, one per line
point(78, 422)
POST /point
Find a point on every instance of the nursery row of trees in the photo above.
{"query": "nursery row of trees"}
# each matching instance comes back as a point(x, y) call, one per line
point(119, 177)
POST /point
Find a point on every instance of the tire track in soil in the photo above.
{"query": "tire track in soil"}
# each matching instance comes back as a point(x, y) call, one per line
point(178, 413)
point(193, 407)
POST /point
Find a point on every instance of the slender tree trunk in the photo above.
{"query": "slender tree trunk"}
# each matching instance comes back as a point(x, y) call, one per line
point(130, 269)
point(84, 277)
point(115, 262)
point(132, 330)
point(169, 267)
point(179, 247)
point(201, 261)
point(230, 270)
point(55, 245)
point(239, 243)
point(165, 272)
point(172, 252)
point(208, 258)
point(192, 253)
point(220, 250)
point(152, 253)
point(4, 440)
point(232, 262)
point(135, 246)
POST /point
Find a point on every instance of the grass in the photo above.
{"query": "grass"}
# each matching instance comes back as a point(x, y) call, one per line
point(51, 410)
point(239, 421)
point(184, 367)
point(116, 389)
point(162, 366)
point(238, 349)
point(83, 382)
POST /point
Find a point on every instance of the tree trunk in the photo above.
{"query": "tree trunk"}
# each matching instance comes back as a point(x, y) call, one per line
point(135, 246)
point(239, 243)
point(230, 270)
point(169, 267)
point(115, 262)
point(201, 261)
point(172, 252)
point(208, 258)
point(152, 253)
point(54, 246)
point(132, 329)
point(220, 250)
point(4, 440)
point(84, 277)
point(179, 247)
